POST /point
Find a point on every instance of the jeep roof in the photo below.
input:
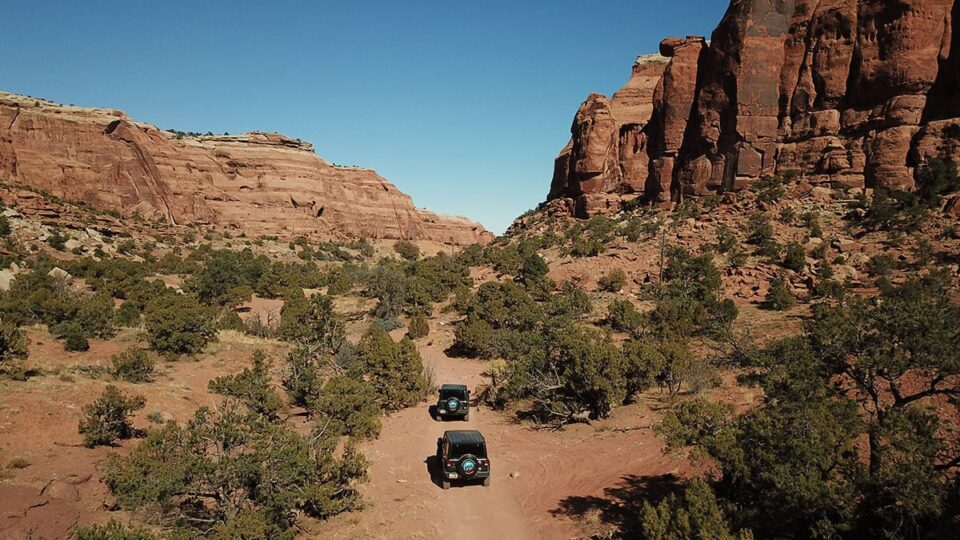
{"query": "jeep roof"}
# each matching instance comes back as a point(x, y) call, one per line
point(453, 387)
point(464, 436)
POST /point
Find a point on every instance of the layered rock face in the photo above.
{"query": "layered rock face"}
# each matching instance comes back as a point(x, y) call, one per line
point(848, 92)
point(607, 155)
point(260, 183)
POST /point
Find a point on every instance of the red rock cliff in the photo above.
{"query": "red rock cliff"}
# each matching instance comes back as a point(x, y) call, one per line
point(846, 92)
point(261, 183)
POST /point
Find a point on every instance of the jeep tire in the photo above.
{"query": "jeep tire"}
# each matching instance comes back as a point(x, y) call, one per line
point(445, 484)
point(486, 482)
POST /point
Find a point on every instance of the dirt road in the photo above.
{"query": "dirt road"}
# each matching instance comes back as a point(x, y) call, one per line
point(557, 476)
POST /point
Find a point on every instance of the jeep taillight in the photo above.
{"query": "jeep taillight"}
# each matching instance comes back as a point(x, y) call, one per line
point(449, 463)
point(485, 462)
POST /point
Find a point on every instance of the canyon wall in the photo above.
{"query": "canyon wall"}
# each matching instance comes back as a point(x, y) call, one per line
point(259, 183)
point(850, 93)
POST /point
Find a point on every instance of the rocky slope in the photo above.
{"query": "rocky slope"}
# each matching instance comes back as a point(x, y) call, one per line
point(260, 183)
point(853, 93)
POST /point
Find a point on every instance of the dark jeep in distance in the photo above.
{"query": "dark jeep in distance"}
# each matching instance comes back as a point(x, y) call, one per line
point(454, 402)
point(463, 456)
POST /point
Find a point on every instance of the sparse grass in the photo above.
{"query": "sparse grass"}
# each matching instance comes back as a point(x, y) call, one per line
point(18, 463)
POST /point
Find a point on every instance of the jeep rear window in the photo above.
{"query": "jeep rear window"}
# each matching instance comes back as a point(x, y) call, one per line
point(461, 394)
point(477, 449)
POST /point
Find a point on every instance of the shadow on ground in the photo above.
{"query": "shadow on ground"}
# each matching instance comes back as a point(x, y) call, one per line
point(622, 504)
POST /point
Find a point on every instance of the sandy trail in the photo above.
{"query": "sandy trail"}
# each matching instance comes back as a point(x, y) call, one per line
point(557, 473)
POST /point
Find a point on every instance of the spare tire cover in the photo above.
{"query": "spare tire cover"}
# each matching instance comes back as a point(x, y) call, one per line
point(469, 465)
point(453, 404)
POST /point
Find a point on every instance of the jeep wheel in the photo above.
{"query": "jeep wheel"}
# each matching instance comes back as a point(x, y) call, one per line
point(466, 417)
point(486, 482)
point(445, 484)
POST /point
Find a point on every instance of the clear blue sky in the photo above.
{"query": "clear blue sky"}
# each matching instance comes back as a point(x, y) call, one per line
point(463, 105)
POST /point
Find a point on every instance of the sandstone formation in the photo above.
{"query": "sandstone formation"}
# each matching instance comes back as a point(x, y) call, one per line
point(845, 92)
point(608, 155)
point(260, 183)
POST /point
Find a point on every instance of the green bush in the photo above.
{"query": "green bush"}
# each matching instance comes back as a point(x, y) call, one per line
point(881, 265)
point(127, 315)
point(348, 406)
point(75, 339)
point(312, 321)
point(302, 377)
point(178, 324)
point(133, 364)
point(407, 249)
point(418, 327)
point(726, 240)
point(695, 514)
point(57, 240)
point(613, 281)
point(252, 387)
point(235, 471)
point(4, 226)
point(106, 419)
point(779, 296)
point(795, 258)
point(113, 530)
point(395, 369)
point(13, 350)
point(622, 316)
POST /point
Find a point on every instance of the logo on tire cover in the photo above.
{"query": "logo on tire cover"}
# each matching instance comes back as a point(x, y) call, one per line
point(452, 404)
point(469, 466)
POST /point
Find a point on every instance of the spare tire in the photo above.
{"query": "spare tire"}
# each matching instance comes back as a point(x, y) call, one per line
point(452, 404)
point(468, 466)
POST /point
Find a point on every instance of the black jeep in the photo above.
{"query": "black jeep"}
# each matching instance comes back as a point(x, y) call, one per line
point(463, 456)
point(454, 402)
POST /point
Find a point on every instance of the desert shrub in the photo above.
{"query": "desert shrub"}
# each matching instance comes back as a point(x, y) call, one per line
point(228, 277)
point(127, 315)
point(178, 324)
point(106, 419)
point(312, 321)
point(57, 240)
point(726, 239)
point(935, 178)
point(694, 514)
point(476, 338)
point(795, 257)
point(579, 374)
point(779, 296)
point(395, 369)
point(846, 442)
point(13, 350)
point(570, 302)
point(769, 189)
point(418, 327)
point(133, 364)
point(302, 377)
point(74, 338)
point(622, 316)
point(407, 249)
point(587, 247)
point(348, 406)
point(4, 226)
point(230, 320)
point(113, 530)
point(534, 268)
point(252, 387)
point(235, 471)
point(759, 229)
point(881, 265)
point(613, 281)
